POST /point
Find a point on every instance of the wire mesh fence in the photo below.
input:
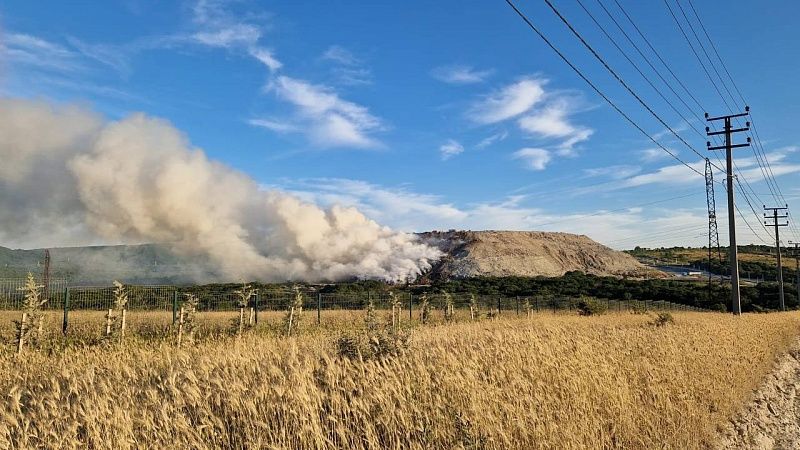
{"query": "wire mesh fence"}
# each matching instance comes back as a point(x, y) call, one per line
point(12, 292)
point(158, 306)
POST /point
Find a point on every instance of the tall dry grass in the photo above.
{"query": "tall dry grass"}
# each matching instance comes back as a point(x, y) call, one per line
point(613, 381)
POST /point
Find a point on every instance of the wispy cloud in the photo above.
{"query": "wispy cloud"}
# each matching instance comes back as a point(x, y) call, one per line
point(35, 52)
point(459, 74)
point(680, 127)
point(615, 172)
point(327, 119)
point(108, 55)
point(347, 68)
point(274, 125)
point(649, 155)
point(508, 102)
point(534, 158)
point(340, 55)
point(491, 140)
point(450, 148)
point(217, 27)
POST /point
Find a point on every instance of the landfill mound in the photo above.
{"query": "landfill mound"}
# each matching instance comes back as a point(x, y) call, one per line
point(528, 253)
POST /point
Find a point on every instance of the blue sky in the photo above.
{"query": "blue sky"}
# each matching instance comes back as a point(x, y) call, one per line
point(430, 115)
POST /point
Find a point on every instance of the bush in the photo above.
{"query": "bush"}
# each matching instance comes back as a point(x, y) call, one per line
point(663, 319)
point(374, 342)
point(376, 345)
point(638, 308)
point(591, 307)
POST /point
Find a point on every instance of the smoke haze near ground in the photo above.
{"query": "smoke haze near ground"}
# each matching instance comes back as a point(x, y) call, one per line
point(69, 177)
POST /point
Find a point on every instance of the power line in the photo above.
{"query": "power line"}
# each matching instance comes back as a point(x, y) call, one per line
point(680, 27)
point(762, 159)
point(768, 174)
point(621, 81)
point(635, 66)
point(703, 48)
point(658, 55)
point(758, 149)
point(656, 71)
point(595, 88)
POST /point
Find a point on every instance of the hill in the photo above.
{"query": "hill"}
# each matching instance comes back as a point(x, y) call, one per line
point(467, 254)
point(528, 253)
point(146, 263)
point(756, 262)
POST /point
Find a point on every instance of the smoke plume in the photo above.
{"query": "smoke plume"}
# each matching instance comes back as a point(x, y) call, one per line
point(68, 177)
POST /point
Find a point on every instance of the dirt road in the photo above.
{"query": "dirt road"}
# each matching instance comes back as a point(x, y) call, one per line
point(772, 419)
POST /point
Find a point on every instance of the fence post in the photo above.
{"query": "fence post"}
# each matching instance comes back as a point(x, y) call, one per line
point(255, 306)
point(518, 305)
point(410, 305)
point(537, 303)
point(65, 322)
point(319, 308)
point(174, 306)
point(498, 305)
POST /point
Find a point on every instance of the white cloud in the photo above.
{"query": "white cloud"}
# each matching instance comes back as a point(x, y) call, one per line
point(680, 127)
point(534, 158)
point(108, 55)
point(508, 102)
point(327, 120)
point(218, 28)
point(490, 140)
point(31, 51)
point(678, 174)
point(348, 69)
point(674, 174)
point(266, 57)
point(404, 209)
point(274, 125)
point(340, 55)
point(553, 122)
point(615, 172)
point(450, 148)
point(458, 74)
point(654, 154)
point(407, 210)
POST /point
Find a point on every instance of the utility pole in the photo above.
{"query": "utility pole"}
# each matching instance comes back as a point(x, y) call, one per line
point(736, 303)
point(796, 266)
point(774, 218)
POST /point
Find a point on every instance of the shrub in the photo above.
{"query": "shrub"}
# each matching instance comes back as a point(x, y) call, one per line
point(292, 319)
point(374, 342)
point(590, 307)
point(474, 308)
point(29, 327)
point(187, 324)
point(449, 307)
point(638, 308)
point(244, 294)
point(115, 317)
point(663, 319)
point(424, 309)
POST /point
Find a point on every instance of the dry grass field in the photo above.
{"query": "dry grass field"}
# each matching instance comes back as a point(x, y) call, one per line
point(549, 381)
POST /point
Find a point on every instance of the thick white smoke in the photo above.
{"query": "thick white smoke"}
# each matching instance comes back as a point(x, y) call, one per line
point(68, 175)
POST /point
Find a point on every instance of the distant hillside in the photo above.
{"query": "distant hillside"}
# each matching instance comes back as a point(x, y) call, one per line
point(758, 262)
point(147, 263)
point(467, 254)
point(528, 253)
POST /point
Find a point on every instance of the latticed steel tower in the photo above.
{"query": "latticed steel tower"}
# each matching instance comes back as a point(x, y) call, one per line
point(713, 233)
